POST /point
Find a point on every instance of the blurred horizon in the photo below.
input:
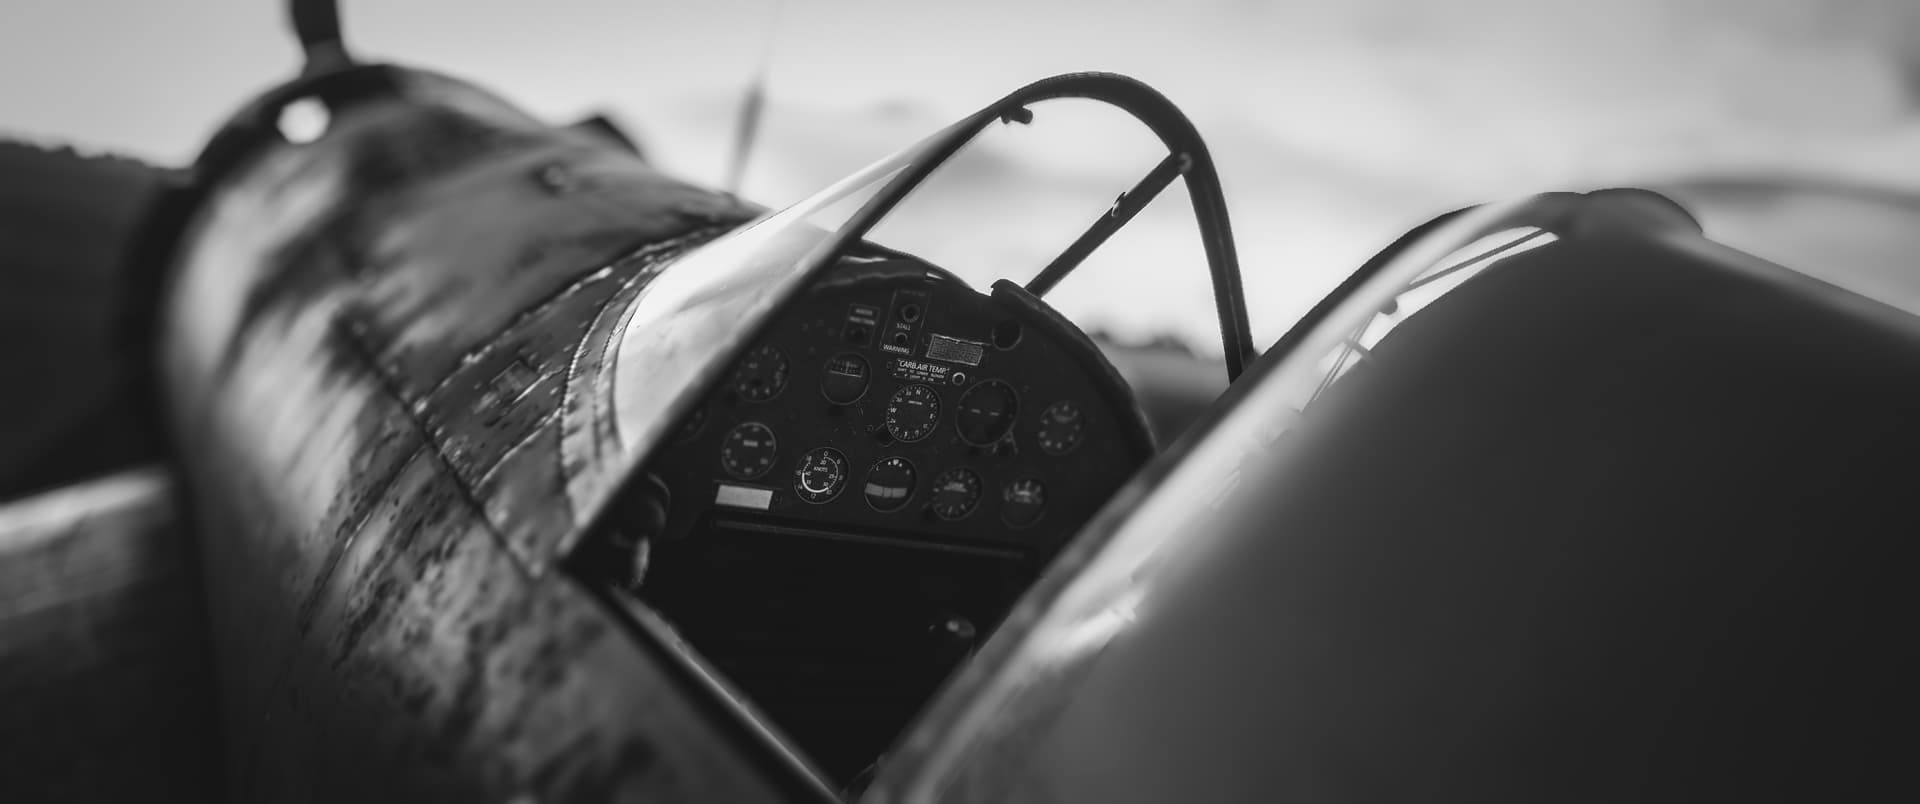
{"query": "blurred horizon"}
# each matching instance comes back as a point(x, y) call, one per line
point(1336, 125)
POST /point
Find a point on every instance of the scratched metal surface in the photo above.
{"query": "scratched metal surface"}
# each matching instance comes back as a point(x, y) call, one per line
point(367, 343)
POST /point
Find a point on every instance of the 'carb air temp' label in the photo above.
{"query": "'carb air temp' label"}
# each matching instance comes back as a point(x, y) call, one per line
point(919, 371)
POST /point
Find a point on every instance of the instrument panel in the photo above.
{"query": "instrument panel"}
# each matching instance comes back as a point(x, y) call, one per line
point(869, 489)
point(896, 403)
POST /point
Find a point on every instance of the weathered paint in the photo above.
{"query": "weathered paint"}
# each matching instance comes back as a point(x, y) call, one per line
point(368, 341)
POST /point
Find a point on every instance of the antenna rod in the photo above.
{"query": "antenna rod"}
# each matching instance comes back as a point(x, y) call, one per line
point(751, 106)
point(746, 131)
point(316, 23)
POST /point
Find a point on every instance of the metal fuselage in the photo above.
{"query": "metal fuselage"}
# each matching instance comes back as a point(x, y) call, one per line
point(383, 352)
point(389, 357)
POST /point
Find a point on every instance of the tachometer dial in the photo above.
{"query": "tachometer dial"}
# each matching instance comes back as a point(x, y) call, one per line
point(761, 375)
point(1061, 427)
point(748, 450)
point(912, 412)
point(1023, 501)
point(986, 412)
point(821, 475)
point(889, 483)
point(955, 493)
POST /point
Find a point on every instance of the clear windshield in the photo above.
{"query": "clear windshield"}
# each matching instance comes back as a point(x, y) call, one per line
point(680, 330)
point(685, 322)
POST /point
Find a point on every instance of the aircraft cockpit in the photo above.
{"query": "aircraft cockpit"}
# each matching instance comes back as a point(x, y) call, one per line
point(854, 461)
point(520, 470)
point(870, 488)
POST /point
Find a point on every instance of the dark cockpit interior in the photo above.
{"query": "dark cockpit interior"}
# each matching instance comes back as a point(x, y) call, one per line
point(868, 490)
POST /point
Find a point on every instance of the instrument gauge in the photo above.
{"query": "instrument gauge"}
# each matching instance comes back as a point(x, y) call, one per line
point(1022, 502)
point(912, 412)
point(761, 375)
point(955, 493)
point(748, 451)
point(690, 428)
point(845, 380)
point(1061, 427)
point(821, 475)
point(986, 412)
point(889, 483)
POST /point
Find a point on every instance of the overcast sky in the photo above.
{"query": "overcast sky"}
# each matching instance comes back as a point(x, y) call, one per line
point(1338, 124)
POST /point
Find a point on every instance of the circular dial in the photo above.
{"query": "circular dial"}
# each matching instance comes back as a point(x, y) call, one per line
point(748, 450)
point(889, 483)
point(1023, 501)
point(846, 378)
point(761, 375)
point(1061, 426)
point(690, 428)
point(912, 412)
point(986, 412)
point(821, 475)
point(955, 493)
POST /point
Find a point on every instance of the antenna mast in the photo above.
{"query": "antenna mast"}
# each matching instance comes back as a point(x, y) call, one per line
point(747, 129)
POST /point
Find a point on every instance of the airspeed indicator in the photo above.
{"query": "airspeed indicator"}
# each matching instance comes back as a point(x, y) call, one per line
point(821, 475)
